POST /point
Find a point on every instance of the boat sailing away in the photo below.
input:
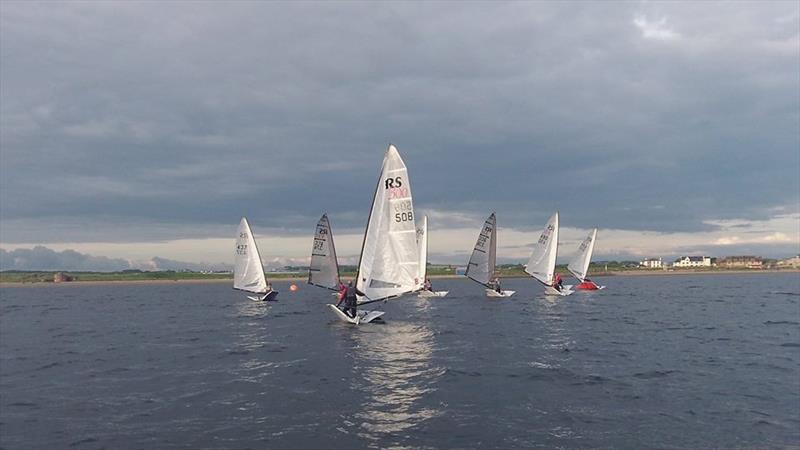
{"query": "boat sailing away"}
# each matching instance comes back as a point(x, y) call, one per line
point(579, 266)
point(389, 263)
point(422, 245)
point(542, 263)
point(248, 273)
point(481, 264)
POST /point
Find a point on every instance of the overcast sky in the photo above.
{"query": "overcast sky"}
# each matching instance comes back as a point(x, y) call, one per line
point(132, 130)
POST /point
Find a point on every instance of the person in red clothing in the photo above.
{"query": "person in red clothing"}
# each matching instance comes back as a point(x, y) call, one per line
point(558, 283)
point(342, 292)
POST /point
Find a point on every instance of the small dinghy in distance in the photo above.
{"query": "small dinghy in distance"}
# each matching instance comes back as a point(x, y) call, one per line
point(542, 263)
point(579, 266)
point(324, 270)
point(422, 244)
point(482, 262)
point(248, 273)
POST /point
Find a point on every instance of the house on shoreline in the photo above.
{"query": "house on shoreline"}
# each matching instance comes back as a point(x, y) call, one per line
point(652, 263)
point(693, 261)
point(748, 262)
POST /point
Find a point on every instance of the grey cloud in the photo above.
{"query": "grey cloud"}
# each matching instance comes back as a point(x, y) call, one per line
point(189, 115)
point(43, 258)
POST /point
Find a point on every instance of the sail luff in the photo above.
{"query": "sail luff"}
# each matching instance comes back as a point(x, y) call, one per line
point(324, 268)
point(579, 266)
point(422, 242)
point(248, 272)
point(389, 262)
point(481, 265)
point(542, 262)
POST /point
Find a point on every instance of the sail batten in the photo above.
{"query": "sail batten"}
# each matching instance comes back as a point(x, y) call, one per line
point(542, 262)
point(324, 268)
point(579, 266)
point(248, 273)
point(481, 265)
point(389, 263)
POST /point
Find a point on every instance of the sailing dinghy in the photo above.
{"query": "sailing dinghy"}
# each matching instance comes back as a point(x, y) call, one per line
point(422, 244)
point(324, 270)
point(542, 263)
point(389, 262)
point(482, 263)
point(248, 273)
point(579, 266)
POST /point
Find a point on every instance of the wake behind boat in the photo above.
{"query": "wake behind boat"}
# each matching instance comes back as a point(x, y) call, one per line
point(482, 262)
point(542, 263)
point(248, 273)
point(579, 266)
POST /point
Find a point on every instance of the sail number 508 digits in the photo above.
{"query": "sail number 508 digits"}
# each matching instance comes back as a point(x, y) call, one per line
point(404, 211)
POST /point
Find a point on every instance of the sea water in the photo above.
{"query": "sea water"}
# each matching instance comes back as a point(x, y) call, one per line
point(651, 361)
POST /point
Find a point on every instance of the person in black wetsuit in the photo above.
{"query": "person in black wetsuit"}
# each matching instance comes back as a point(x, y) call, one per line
point(496, 284)
point(558, 283)
point(350, 300)
point(427, 286)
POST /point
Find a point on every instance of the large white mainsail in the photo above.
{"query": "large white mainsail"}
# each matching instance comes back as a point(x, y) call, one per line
point(422, 244)
point(324, 268)
point(542, 263)
point(579, 265)
point(481, 264)
point(389, 264)
point(248, 273)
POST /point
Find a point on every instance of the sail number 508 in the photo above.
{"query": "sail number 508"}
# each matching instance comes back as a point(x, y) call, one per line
point(404, 211)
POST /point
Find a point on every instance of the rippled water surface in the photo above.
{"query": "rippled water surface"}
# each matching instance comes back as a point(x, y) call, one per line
point(668, 362)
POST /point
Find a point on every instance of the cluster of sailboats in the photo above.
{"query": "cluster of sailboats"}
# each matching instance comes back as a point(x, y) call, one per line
point(394, 253)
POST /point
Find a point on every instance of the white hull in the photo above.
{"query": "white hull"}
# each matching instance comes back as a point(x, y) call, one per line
point(429, 294)
point(565, 290)
point(271, 296)
point(493, 293)
point(361, 316)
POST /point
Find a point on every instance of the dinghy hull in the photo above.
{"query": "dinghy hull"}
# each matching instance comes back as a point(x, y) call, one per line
point(565, 290)
point(495, 294)
point(588, 286)
point(361, 316)
point(430, 294)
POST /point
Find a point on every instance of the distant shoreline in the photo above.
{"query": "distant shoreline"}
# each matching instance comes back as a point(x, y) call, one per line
point(636, 273)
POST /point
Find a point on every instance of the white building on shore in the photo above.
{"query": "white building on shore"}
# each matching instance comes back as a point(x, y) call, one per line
point(652, 263)
point(693, 261)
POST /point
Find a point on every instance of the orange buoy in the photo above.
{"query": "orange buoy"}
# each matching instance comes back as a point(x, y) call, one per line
point(293, 287)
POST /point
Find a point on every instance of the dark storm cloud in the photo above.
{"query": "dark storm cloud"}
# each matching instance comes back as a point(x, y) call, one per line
point(184, 116)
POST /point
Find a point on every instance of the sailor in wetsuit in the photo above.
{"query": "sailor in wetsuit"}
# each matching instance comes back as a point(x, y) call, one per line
point(558, 283)
point(496, 285)
point(350, 300)
point(427, 286)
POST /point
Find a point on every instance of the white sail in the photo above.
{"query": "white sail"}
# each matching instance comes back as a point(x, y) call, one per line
point(324, 268)
point(422, 244)
point(579, 266)
point(542, 263)
point(389, 264)
point(248, 273)
point(482, 262)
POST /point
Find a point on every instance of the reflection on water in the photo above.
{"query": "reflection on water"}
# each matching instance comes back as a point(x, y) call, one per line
point(394, 365)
